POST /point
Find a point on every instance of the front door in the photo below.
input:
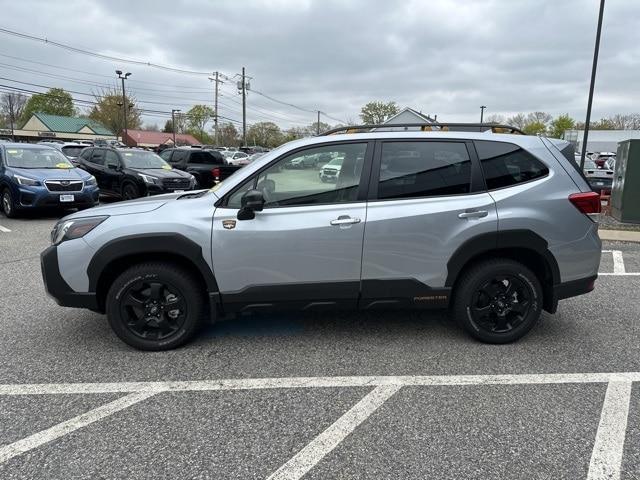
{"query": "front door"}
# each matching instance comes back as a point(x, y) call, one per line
point(305, 248)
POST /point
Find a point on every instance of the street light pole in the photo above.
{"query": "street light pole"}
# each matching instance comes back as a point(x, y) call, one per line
point(124, 101)
point(173, 124)
point(13, 136)
point(244, 109)
point(591, 87)
point(482, 107)
point(318, 124)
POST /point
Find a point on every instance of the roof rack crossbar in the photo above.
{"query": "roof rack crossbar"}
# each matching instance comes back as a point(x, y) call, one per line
point(436, 127)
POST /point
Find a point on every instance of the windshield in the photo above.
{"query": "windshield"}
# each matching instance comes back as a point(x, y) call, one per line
point(589, 164)
point(143, 159)
point(26, 157)
point(335, 162)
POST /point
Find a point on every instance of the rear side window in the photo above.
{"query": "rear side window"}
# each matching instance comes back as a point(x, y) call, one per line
point(203, 158)
point(86, 153)
point(424, 169)
point(506, 164)
point(165, 155)
point(97, 156)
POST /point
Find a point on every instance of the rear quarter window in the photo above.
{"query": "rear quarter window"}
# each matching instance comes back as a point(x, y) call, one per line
point(506, 164)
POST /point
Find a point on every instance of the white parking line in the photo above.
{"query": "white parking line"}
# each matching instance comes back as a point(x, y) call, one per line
point(320, 446)
point(618, 262)
point(606, 458)
point(37, 439)
point(4, 229)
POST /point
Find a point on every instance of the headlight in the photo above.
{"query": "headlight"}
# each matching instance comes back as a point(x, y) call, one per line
point(76, 228)
point(148, 178)
point(91, 181)
point(26, 181)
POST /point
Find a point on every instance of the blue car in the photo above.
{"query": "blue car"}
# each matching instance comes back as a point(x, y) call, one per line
point(38, 176)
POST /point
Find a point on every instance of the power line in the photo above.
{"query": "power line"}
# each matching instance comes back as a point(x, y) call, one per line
point(99, 55)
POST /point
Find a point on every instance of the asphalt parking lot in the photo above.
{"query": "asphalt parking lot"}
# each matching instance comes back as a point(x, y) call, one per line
point(386, 395)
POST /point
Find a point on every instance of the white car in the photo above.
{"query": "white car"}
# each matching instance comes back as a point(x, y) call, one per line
point(331, 170)
point(234, 158)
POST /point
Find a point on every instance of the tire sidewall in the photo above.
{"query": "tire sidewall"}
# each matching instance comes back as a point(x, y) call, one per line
point(12, 205)
point(117, 322)
point(481, 277)
point(133, 188)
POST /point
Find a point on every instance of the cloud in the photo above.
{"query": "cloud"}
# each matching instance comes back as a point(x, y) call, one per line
point(440, 57)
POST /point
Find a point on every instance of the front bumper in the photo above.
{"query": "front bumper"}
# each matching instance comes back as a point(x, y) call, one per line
point(40, 197)
point(56, 286)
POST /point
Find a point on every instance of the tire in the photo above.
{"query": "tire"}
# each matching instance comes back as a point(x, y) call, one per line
point(8, 204)
point(130, 191)
point(497, 301)
point(139, 300)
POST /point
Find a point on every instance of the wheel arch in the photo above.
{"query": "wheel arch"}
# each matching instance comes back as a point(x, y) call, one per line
point(117, 255)
point(524, 246)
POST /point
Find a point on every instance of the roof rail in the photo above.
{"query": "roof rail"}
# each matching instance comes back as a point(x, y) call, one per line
point(431, 127)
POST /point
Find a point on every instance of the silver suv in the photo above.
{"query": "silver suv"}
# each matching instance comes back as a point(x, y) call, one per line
point(494, 226)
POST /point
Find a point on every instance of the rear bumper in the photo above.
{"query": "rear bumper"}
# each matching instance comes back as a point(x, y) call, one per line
point(571, 289)
point(56, 286)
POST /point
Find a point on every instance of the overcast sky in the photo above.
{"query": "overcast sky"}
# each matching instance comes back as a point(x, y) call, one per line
point(439, 57)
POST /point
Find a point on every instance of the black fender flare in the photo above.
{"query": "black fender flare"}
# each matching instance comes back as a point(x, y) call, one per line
point(492, 241)
point(174, 244)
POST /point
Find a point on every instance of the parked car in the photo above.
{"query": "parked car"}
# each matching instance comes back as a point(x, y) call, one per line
point(82, 141)
point(601, 157)
point(600, 179)
point(269, 238)
point(131, 173)
point(38, 176)
point(331, 171)
point(71, 150)
point(207, 166)
point(234, 157)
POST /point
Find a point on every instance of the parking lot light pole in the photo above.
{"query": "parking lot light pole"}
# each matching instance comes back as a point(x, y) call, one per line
point(482, 107)
point(591, 87)
point(124, 100)
point(173, 124)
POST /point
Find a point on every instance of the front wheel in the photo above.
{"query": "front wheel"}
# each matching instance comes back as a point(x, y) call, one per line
point(155, 306)
point(498, 301)
point(8, 205)
point(130, 191)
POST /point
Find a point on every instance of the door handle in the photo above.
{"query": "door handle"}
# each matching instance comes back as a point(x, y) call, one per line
point(344, 220)
point(473, 214)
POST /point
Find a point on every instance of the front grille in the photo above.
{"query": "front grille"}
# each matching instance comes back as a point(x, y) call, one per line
point(330, 171)
point(176, 183)
point(64, 185)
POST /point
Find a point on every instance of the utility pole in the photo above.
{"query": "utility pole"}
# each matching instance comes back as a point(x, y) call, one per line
point(244, 109)
point(13, 136)
point(215, 102)
point(482, 107)
point(591, 87)
point(173, 124)
point(124, 100)
point(318, 124)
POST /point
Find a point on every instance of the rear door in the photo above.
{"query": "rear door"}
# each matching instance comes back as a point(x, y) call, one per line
point(94, 164)
point(427, 198)
point(305, 247)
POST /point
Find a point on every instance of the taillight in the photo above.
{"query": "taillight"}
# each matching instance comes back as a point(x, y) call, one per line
point(586, 202)
point(216, 173)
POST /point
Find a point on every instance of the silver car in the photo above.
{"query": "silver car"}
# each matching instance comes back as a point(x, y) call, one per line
point(495, 227)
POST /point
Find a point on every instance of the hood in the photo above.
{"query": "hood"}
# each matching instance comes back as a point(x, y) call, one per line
point(161, 172)
point(139, 205)
point(51, 173)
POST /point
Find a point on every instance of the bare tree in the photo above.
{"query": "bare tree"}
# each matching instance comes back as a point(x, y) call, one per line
point(539, 117)
point(495, 118)
point(11, 107)
point(518, 121)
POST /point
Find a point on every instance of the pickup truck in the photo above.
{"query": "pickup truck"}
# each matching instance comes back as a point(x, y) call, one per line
point(207, 166)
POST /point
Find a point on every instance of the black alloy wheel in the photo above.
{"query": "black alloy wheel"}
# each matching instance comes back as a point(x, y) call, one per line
point(497, 300)
point(8, 206)
point(130, 191)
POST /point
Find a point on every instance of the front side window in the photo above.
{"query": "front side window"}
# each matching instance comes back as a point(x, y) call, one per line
point(506, 164)
point(166, 155)
point(424, 169)
point(111, 158)
point(310, 184)
point(203, 158)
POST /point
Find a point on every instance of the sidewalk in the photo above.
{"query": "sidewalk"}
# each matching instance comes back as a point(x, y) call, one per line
point(619, 235)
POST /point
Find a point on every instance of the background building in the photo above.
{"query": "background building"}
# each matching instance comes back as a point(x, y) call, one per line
point(153, 139)
point(408, 115)
point(600, 140)
point(43, 126)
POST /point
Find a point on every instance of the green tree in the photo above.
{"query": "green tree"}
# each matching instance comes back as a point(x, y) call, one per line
point(56, 101)
point(109, 111)
point(168, 127)
point(265, 134)
point(561, 124)
point(197, 118)
point(377, 112)
point(535, 128)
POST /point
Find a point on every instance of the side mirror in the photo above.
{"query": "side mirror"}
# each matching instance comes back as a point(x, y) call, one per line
point(113, 166)
point(251, 202)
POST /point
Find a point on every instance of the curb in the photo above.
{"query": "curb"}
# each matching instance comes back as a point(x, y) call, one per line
point(619, 235)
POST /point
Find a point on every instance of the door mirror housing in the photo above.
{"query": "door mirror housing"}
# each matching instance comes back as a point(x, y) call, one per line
point(251, 202)
point(113, 166)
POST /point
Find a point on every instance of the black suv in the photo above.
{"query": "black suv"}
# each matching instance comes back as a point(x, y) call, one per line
point(132, 173)
point(208, 166)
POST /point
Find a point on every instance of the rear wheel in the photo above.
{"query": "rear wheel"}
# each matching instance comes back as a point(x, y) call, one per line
point(8, 205)
point(130, 191)
point(498, 301)
point(155, 306)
